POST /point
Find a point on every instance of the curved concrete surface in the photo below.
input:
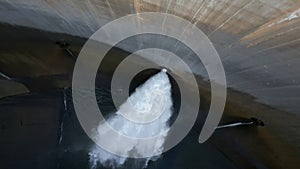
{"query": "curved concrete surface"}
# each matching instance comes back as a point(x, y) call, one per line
point(258, 42)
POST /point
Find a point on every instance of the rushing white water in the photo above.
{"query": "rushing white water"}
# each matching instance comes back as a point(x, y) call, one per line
point(152, 99)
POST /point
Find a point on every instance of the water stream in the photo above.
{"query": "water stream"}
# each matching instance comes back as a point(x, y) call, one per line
point(151, 99)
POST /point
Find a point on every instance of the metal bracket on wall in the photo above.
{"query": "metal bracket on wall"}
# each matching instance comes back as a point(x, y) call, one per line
point(65, 45)
point(251, 122)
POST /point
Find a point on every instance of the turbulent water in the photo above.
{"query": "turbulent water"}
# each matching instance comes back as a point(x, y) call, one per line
point(151, 99)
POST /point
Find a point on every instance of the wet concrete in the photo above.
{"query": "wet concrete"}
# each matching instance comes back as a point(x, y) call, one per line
point(32, 58)
point(30, 130)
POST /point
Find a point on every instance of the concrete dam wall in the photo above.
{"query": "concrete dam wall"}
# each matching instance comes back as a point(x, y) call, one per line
point(258, 42)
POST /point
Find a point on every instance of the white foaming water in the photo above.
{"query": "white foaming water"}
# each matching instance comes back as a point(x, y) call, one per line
point(152, 99)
